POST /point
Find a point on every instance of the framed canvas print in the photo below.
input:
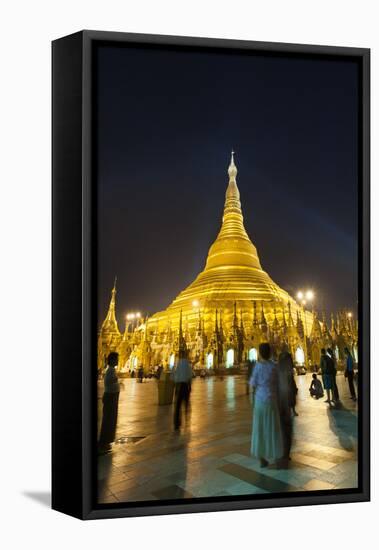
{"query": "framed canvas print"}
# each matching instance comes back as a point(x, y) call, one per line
point(210, 275)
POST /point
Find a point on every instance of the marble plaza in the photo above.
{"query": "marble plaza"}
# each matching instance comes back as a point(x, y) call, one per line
point(210, 456)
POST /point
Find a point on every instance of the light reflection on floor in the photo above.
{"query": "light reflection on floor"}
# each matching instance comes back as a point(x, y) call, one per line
point(210, 456)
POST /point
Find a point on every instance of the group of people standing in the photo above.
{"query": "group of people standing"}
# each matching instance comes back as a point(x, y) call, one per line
point(274, 396)
point(328, 367)
point(329, 374)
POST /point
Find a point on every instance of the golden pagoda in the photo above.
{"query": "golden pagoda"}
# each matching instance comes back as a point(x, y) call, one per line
point(226, 312)
point(232, 275)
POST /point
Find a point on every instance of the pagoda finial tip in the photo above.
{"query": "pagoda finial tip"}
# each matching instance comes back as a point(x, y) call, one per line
point(232, 170)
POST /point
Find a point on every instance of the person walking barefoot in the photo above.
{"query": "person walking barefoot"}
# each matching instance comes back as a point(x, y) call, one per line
point(287, 401)
point(182, 376)
point(326, 366)
point(266, 439)
point(349, 374)
point(110, 405)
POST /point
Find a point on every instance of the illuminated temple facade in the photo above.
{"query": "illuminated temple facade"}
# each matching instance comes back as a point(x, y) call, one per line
point(226, 312)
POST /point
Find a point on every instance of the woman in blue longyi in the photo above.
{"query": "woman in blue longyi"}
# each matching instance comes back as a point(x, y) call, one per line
point(266, 440)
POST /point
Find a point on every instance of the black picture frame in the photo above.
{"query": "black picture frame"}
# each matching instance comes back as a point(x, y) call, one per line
point(74, 280)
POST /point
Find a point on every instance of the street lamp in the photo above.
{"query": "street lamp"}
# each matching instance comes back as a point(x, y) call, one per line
point(305, 296)
point(133, 316)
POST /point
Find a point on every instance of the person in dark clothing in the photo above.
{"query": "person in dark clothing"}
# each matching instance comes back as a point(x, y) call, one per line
point(349, 373)
point(110, 405)
point(293, 394)
point(140, 374)
point(286, 401)
point(182, 378)
point(335, 392)
point(315, 389)
point(327, 370)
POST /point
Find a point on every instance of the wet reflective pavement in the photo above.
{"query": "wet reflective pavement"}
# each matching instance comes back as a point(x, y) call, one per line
point(210, 455)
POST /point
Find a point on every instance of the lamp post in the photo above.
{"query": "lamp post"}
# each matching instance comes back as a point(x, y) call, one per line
point(133, 316)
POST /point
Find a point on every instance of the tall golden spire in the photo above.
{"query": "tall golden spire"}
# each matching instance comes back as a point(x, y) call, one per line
point(110, 321)
point(232, 271)
point(232, 246)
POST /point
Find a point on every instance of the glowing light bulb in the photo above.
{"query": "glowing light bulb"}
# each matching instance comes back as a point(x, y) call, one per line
point(309, 295)
point(300, 295)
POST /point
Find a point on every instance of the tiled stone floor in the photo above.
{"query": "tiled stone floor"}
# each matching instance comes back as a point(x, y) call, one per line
point(210, 456)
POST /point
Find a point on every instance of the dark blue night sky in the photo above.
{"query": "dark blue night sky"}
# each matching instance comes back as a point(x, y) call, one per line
point(167, 122)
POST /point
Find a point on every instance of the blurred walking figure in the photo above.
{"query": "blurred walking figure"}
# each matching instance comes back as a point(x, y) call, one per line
point(327, 369)
point(293, 392)
point(182, 376)
point(349, 373)
point(249, 374)
point(335, 392)
point(315, 389)
point(287, 400)
point(140, 374)
point(110, 405)
point(266, 440)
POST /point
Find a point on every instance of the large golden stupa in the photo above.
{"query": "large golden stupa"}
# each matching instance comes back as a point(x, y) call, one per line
point(225, 313)
point(232, 278)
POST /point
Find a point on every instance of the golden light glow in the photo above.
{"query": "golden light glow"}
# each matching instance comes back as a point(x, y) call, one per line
point(309, 295)
point(350, 314)
point(195, 303)
point(300, 295)
point(132, 315)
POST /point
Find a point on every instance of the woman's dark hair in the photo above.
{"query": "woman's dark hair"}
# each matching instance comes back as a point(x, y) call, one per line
point(265, 350)
point(112, 359)
point(285, 358)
